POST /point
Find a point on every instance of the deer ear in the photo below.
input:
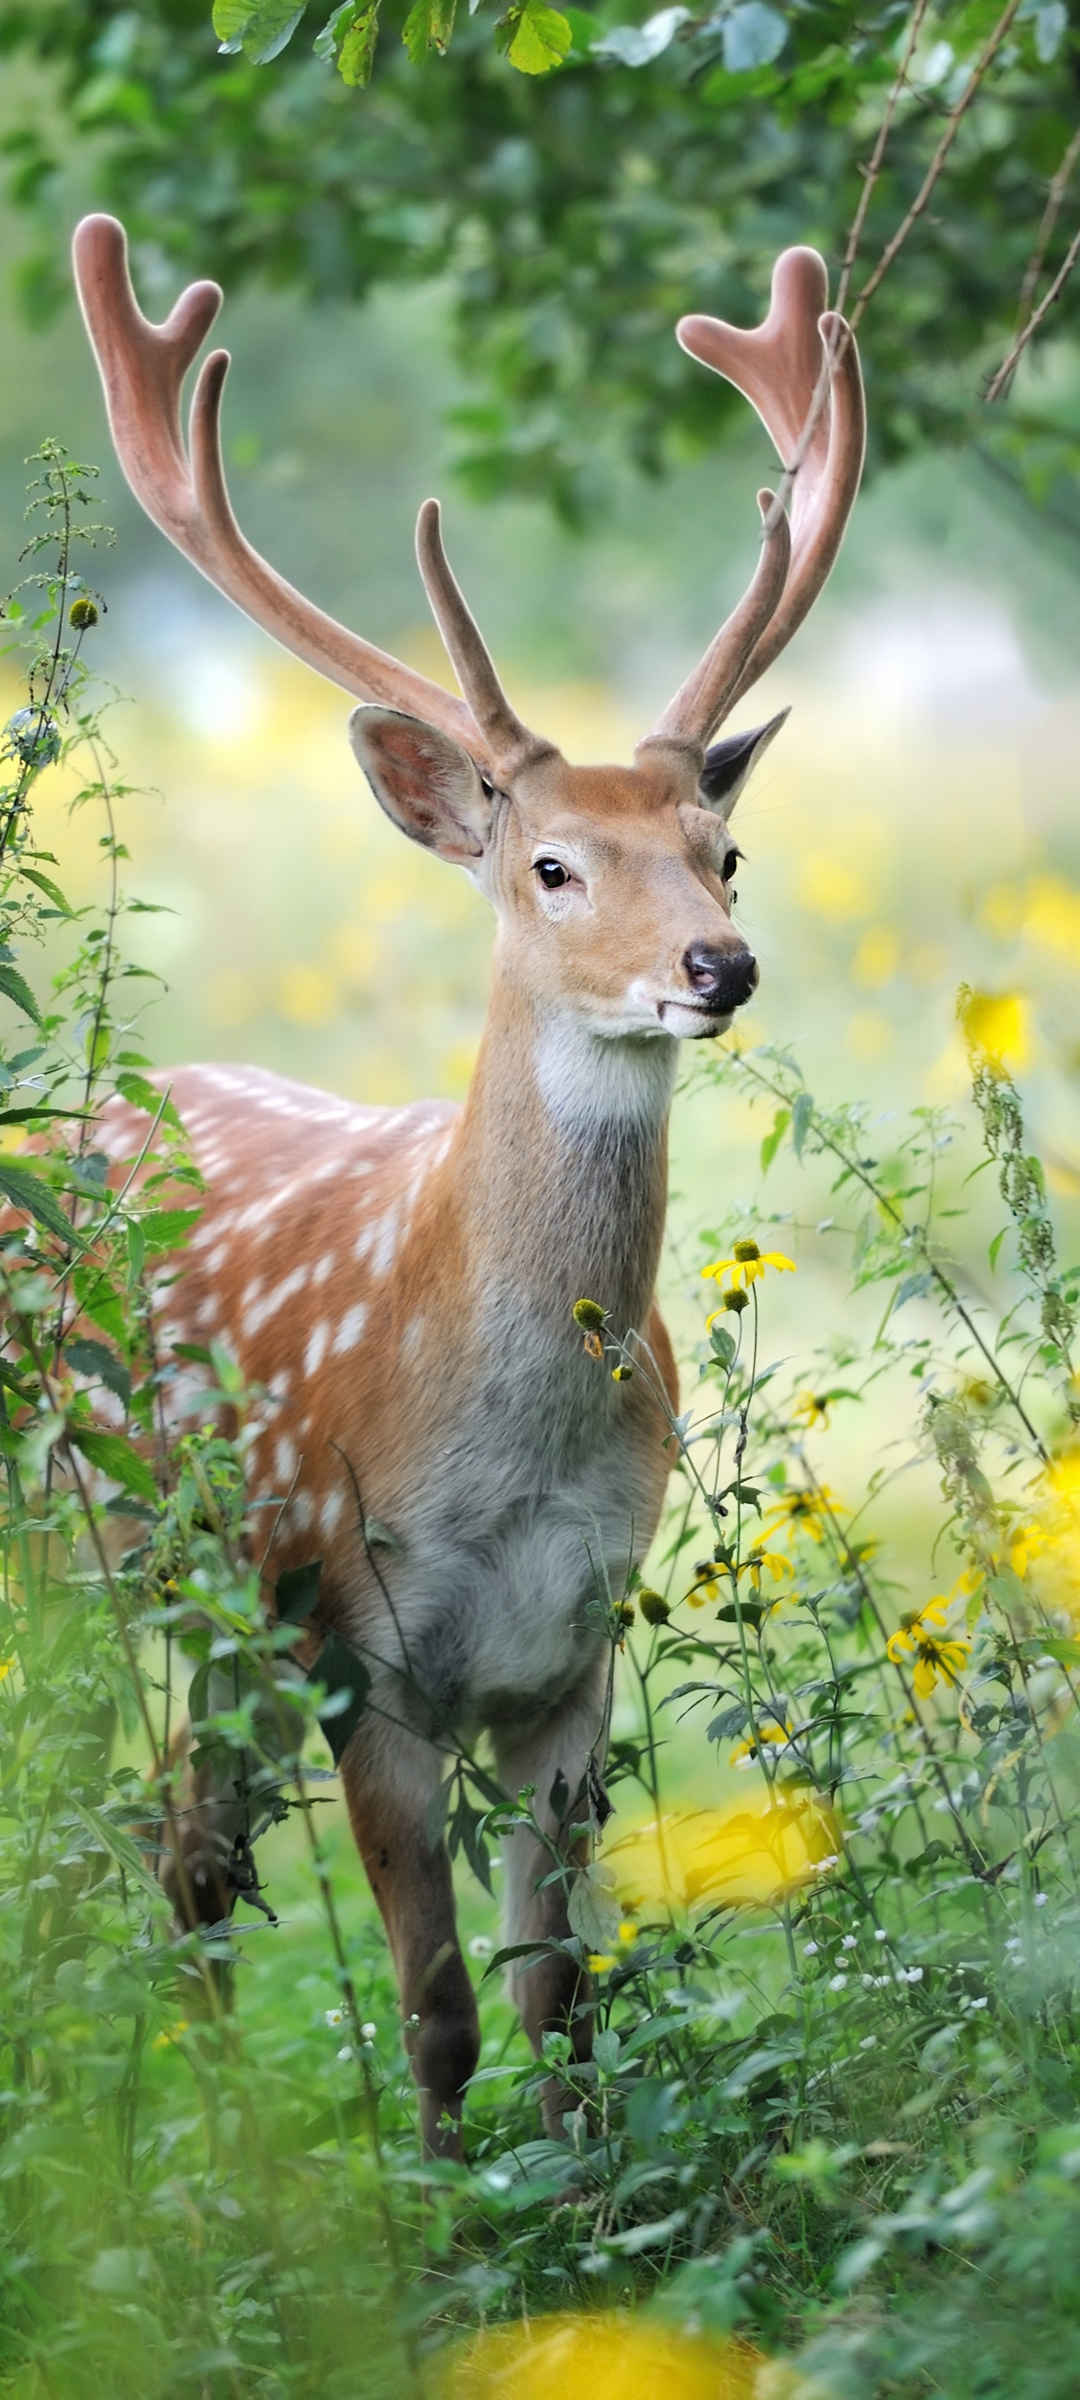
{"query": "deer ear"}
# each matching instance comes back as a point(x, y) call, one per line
point(728, 763)
point(429, 786)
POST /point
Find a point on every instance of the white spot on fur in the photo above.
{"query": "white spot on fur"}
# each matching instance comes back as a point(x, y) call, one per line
point(385, 1243)
point(285, 1461)
point(323, 1267)
point(275, 1299)
point(330, 1512)
point(350, 1329)
point(412, 1337)
point(316, 1347)
point(303, 1509)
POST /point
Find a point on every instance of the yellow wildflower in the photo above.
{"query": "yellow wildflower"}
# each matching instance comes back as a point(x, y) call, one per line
point(6, 1665)
point(812, 1408)
point(922, 1637)
point(605, 2354)
point(706, 1584)
point(767, 1562)
point(998, 1026)
point(164, 2041)
point(746, 1265)
point(776, 1736)
point(801, 1511)
point(747, 1854)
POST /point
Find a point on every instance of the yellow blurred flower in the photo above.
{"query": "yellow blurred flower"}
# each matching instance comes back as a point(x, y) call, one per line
point(775, 1736)
point(998, 1025)
point(923, 1637)
point(606, 2355)
point(801, 1511)
point(1048, 1542)
point(877, 957)
point(6, 1665)
point(1052, 915)
point(164, 2041)
point(811, 1408)
point(748, 1853)
point(834, 891)
point(307, 995)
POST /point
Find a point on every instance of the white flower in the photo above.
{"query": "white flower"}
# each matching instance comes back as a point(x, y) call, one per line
point(335, 2016)
point(868, 2042)
point(480, 1946)
point(912, 1974)
point(810, 1949)
point(849, 1941)
point(1040, 1900)
point(346, 2050)
point(837, 1983)
point(368, 2032)
point(880, 1934)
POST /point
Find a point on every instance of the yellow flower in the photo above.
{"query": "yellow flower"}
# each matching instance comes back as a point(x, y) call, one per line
point(922, 1637)
point(164, 2041)
point(998, 1025)
point(812, 1408)
point(746, 1265)
point(800, 1511)
point(603, 2355)
point(1049, 1541)
point(747, 1854)
point(706, 1584)
point(776, 1736)
point(6, 1665)
point(768, 1562)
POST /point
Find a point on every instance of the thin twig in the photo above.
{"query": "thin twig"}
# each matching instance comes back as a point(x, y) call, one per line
point(877, 154)
point(953, 121)
point(1004, 374)
point(1055, 196)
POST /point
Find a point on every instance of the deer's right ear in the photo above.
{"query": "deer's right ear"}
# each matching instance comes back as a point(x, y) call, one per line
point(425, 782)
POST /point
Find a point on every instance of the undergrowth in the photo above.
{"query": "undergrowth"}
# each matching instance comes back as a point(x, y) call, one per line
point(830, 2141)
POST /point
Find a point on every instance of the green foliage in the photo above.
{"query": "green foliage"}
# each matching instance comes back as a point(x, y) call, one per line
point(840, 2119)
point(577, 212)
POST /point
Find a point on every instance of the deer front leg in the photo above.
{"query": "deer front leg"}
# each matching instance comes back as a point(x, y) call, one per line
point(390, 1790)
point(552, 1993)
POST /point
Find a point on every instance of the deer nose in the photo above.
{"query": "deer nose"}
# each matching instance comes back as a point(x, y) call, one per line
point(723, 978)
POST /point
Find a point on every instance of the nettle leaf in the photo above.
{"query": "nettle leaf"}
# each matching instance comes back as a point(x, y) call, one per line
point(753, 36)
point(638, 45)
point(92, 1359)
point(427, 27)
point(260, 28)
point(114, 1457)
point(536, 38)
point(296, 1592)
point(593, 1909)
point(772, 1141)
point(29, 1193)
point(17, 989)
point(51, 890)
point(348, 39)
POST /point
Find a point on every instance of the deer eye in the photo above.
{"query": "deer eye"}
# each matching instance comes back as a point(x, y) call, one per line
point(731, 861)
point(551, 872)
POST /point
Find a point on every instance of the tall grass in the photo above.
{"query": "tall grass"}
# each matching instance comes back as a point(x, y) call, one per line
point(830, 2139)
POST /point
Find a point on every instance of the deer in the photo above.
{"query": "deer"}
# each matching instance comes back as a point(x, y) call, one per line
point(400, 1283)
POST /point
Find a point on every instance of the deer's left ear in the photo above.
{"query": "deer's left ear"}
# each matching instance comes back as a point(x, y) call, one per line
point(728, 763)
point(425, 782)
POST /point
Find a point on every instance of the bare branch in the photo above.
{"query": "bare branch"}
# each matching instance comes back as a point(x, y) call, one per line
point(1054, 198)
point(1005, 372)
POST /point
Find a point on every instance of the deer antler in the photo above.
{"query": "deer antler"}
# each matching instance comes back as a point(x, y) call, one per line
point(142, 371)
point(800, 371)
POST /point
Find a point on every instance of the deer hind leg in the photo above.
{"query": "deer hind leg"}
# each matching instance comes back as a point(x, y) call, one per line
point(552, 1993)
point(391, 1801)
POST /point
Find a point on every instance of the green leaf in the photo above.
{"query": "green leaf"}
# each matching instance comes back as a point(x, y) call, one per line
point(772, 1141)
point(114, 1457)
point(27, 1192)
point(92, 1359)
point(539, 38)
point(296, 1592)
point(51, 890)
point(723, 1344)
point(17, 989)
point(347, 1686)
point(753, 36)
point(427, 27)
point(260, 28)
point(802, 1117)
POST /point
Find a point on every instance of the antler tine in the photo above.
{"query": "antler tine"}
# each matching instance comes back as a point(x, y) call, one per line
point(800, 371)
point(142, 370)
point(509, 741)
point(702, 700)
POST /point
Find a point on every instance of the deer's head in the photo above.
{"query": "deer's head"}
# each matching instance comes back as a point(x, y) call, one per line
point(613, 886)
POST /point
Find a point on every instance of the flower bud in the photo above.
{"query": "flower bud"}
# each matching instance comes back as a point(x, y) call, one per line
point(589, 1315)
point(746, 1250)
point(82, 614)
point(653, 1606)
point(622, 1373)
point(736, 1301)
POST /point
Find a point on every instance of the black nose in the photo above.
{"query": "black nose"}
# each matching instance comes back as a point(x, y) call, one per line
point(722, 978)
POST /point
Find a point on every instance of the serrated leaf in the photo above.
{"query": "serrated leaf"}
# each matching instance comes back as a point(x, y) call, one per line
point(348, 1683)
point(427, 27)
point(540, 39)
point(593, 1910)
point(51, 890)
point(92, 1359)
point(17, 989)
point(28, 1193)
point(114, 1457)
point(773, 1139)
point(260, 28)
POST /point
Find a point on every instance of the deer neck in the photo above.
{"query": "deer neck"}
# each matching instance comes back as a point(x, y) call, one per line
point(562, 1161)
